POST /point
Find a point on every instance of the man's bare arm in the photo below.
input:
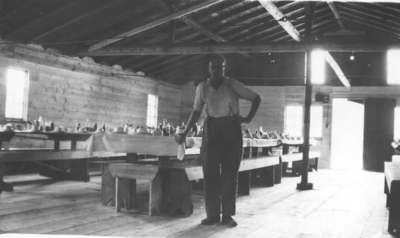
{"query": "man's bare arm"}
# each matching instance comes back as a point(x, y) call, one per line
point(194, 116)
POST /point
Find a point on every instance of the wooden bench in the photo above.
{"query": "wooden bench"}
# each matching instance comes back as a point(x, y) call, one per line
point(261, 171)
point(392, 190)
point(125, 175)
point(170, 187)
point(297, 162)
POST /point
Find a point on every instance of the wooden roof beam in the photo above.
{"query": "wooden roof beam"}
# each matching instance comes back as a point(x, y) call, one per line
point(280, 18)
point(153, 24)
point(336, 14)
point(74, 20)
point(336, 68)
point(195, 25)
point(238, 48)
point(188, 21)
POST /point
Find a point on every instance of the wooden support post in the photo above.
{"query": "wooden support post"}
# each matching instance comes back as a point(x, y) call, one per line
point(304, 184)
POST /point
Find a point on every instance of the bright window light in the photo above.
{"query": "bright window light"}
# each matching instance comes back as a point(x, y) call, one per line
point(318, 66)
point(396, 133)
point(293, 120)
point(393, 66)
point(152, 110)
point(316, 118)
point(17, 94)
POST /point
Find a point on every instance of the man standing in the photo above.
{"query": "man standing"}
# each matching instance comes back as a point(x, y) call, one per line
point(221, 149)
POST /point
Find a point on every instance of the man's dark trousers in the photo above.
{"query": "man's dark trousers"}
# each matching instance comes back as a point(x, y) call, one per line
point(221, 154)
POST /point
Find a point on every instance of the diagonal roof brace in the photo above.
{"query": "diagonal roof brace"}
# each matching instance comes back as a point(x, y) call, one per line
point(336, 68)
point(274, 11)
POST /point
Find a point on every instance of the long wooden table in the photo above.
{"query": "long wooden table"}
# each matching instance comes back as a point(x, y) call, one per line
point(52, 162)
point(169, 179)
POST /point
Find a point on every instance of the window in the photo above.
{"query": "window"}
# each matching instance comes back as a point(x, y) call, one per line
point(393, 66)
point(152, 110)
point(294, 120)
point(17, 94)
point(318, 67)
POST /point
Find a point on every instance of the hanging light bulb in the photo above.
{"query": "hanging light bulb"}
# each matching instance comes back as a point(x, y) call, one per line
point(352, 57)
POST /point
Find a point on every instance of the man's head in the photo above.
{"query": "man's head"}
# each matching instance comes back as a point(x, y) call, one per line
point(216, 66)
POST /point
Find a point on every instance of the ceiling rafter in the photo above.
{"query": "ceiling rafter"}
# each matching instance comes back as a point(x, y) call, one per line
point(152, 24)
point(353, 15)
point(270, 31)
point(281, 19)
point(220, 21)
point(42, 20)
point(263, 19)
point(336, 14)
point(295, 34)
point(195, 25)
point(361, 21)
point(75, 20)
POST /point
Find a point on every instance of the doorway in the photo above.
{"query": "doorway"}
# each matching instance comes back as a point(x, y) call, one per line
point(347, 134)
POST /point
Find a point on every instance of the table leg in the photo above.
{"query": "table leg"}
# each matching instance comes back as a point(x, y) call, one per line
point(117, 204)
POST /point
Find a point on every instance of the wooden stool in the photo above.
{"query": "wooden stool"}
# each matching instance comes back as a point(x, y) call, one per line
point(125, 175)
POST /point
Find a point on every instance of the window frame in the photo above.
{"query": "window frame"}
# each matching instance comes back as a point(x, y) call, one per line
point(25, 100)
point(155, 110)
point(390, 67)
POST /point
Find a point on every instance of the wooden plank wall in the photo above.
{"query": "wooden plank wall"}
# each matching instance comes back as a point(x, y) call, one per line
point(68, 96)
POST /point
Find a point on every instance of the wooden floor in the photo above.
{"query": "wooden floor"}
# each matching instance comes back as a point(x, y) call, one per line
point(343, 204)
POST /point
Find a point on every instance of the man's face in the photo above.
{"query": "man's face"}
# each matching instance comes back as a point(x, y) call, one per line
point(216, 68)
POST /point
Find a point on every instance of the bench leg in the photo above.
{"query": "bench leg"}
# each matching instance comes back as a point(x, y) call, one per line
point(107, 186)
point(155, 196)
point(244, 183)
point(125, 193)
point(278, 173)
point(268, 176)
point(117, 204)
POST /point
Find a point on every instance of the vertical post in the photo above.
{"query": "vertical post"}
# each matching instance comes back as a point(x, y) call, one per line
point(304, 184)
point(117, 205)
